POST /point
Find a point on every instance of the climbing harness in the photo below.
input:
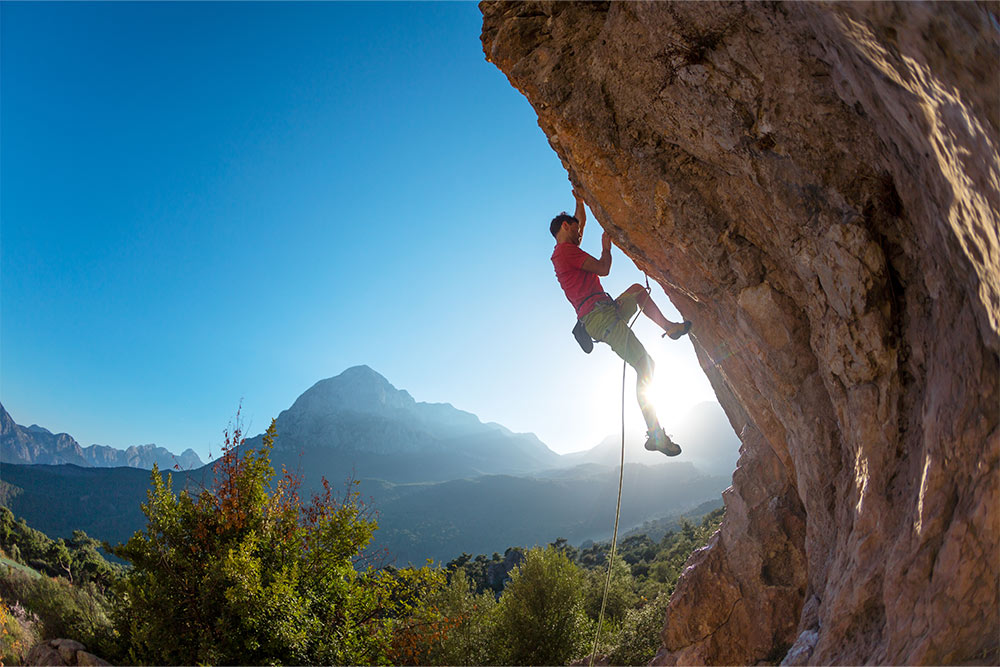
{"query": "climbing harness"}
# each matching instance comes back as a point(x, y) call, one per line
point(618, 507)
point(580, 331)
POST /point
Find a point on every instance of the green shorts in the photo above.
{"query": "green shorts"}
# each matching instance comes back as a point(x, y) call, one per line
point(608, 323)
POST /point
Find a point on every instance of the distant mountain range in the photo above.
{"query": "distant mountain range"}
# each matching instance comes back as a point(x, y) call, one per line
point(443, 481)
point(357, 421)
point(35, 444)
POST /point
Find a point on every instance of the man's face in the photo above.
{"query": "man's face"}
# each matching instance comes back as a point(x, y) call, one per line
point(573, 230)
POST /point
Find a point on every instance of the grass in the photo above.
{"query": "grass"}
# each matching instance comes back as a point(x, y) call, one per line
point(17, 566)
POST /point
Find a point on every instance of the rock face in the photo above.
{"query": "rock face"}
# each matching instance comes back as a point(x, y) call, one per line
point(63, 652)
point(816, 187)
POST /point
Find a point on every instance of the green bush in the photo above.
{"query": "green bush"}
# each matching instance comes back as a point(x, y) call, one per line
point(62, 610)
point(621, 596)
point(451, 625)
point(246, 573)
point(540, 618)
point(639, 638)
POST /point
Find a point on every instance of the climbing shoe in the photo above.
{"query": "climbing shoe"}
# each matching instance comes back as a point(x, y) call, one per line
point(658, 441)
point(678, 330)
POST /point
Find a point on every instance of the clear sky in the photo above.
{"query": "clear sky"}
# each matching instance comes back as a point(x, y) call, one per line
point(204, 203)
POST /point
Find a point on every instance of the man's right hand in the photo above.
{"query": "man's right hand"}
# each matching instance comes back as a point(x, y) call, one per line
point(602, 266)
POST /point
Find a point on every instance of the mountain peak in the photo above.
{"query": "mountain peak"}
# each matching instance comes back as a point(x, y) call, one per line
point(357, 389)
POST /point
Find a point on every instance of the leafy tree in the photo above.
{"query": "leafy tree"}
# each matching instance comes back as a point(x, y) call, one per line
point(621, 596)
point(540, 617)
point(247, 573)
point(639, 638)
point(488, 574)
point(452, 625)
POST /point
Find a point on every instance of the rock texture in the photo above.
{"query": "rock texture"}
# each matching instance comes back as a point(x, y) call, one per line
point(63, 652)
point(816, 187)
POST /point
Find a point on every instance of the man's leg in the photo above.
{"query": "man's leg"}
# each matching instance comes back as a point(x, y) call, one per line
point(610, 325)
point(643, 381)
point(651, 310)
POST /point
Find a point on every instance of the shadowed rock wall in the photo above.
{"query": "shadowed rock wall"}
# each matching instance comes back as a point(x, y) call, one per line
point(816, 187)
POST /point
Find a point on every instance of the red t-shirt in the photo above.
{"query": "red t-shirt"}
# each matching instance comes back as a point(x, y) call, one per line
point(567, 258)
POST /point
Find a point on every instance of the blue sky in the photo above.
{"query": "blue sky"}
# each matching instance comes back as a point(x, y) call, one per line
point(206, 203)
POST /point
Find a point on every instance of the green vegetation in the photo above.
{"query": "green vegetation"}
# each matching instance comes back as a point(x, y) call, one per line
point(540, 614)
point(51, 588)
point(644, 575)
point(78, 559)
point(246, 572)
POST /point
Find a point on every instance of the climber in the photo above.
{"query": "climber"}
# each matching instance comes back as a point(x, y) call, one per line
point(606, 319)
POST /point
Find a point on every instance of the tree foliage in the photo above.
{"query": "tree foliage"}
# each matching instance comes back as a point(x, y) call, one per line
point(247, 573)
point(643, 577)
point(451, 625)
point(77, 559)
point(540, 615)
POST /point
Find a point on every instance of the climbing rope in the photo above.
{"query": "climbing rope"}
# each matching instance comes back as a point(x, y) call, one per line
point(618, 507)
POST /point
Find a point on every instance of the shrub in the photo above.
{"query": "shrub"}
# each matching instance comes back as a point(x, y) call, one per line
point(15, 638)
point(246, 573)
point(540, 618)
point(621, 598)
point(451, 625)
point(639, 638)
point(61, 609)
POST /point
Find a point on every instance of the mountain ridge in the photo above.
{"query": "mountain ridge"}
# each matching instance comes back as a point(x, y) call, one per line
point(358, 418)
point(38, 445)
point(443, 481)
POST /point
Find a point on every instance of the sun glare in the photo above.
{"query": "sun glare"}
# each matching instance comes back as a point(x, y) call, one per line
point(678, 385)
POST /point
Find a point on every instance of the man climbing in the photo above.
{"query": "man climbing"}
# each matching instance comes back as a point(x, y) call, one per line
point(606, 319)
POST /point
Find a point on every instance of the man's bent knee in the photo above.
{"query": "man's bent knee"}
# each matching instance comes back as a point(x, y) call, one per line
point(640, 294)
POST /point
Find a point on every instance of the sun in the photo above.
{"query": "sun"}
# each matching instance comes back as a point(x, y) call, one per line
point(678, 385)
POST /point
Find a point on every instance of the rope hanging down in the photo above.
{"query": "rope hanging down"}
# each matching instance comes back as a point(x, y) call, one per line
point(618, 507)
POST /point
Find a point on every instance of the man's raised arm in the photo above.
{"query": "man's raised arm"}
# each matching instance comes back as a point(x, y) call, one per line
point(581, 210)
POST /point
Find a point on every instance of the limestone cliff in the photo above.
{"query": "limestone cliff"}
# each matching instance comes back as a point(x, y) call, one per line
point(816, 187)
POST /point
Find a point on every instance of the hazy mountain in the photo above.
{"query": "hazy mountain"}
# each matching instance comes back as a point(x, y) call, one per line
point(443, 481)
point(492, 512)
point(416, 521)
point(36, 444)
point(711, 444)
point(357, 421)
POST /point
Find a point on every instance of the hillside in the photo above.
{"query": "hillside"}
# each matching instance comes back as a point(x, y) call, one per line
point(416, 521)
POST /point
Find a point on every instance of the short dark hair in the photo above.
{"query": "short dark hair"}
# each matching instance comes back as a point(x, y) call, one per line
point(558, 220)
